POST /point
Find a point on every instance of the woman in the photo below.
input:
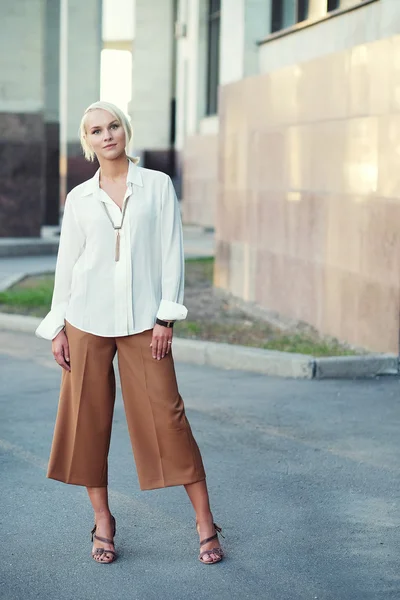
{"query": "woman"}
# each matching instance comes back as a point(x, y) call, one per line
point(119, 288)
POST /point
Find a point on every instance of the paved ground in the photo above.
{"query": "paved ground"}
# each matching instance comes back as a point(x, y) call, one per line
point(304, 478)
point(197, 243)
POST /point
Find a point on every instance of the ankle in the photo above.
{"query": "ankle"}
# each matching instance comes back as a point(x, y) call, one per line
point(204, 518)
point(102, 514)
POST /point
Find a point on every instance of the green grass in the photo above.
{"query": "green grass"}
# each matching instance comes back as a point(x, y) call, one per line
point(199, 270)
point(188, 328)
point(302, 345)
point(33, 292)
point(260, 337)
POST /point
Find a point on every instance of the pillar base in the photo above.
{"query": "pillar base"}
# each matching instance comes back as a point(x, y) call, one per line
point(79, 169)
point(21, 174)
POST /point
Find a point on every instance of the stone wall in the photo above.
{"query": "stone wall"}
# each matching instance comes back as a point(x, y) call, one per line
point(308, 208)
point(200, 180)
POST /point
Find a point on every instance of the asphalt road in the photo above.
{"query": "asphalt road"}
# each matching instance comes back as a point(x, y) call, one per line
point(304, 478)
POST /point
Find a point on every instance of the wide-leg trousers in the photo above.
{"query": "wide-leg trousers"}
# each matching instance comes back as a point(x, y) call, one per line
point(165, 451)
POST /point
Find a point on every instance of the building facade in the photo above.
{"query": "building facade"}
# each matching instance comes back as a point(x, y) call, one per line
point(278, 121)
point(287, 130)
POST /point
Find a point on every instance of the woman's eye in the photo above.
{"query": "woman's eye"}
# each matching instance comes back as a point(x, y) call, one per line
point(96, 131)
point(114, 126)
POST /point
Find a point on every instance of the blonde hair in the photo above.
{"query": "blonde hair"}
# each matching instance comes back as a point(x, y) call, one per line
point(118, 114)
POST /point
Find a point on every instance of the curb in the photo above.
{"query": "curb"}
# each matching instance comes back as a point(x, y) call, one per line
point(254, 360)
point(17, 277)
point(243, 358)
point(44, 246)
point(353, 367)
point(21, 247)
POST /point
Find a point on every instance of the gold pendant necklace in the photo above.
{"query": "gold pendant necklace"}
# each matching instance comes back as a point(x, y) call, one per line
point(117, 228)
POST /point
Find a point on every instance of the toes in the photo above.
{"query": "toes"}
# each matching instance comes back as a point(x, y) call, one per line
point(207, 558)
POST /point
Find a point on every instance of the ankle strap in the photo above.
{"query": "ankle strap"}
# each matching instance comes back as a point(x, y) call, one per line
point(213, 537)
point(101, 539)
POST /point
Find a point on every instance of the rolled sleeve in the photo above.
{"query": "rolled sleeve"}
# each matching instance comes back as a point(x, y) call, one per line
point(173, 259)
point(72, 242)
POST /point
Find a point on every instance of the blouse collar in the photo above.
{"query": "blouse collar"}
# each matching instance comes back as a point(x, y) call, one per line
point(134, 176)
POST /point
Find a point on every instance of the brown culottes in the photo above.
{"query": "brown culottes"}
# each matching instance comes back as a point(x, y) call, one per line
point(165, 451)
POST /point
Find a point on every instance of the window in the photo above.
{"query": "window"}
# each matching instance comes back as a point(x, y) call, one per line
point(214, 19)
point(333, 4)
point(286, 13)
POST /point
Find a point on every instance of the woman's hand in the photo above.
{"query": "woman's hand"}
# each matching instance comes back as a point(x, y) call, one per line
point(161, 342)
point(60, 349)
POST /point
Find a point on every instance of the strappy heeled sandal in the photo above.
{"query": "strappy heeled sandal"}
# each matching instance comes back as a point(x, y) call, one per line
point(98, 552)
point(217, 551)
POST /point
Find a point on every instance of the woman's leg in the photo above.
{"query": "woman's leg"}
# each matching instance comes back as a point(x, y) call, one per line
point(198, 495)
point(102, 518)
point(166, 453)
point(84, 418)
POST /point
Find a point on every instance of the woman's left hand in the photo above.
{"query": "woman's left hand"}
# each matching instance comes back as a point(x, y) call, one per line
point(161, 342)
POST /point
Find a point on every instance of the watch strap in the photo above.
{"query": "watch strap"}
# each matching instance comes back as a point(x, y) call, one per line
point(168, 324)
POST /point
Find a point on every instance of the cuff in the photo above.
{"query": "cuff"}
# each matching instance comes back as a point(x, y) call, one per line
point(171, 311)
point(52, 323)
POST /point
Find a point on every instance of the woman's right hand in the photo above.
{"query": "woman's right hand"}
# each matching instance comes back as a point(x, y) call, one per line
point(60, 349)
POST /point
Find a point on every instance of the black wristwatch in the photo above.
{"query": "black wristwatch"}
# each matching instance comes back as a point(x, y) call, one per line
point(168, 324)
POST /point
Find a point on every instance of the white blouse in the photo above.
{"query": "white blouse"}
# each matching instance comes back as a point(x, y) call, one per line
point(95, 293)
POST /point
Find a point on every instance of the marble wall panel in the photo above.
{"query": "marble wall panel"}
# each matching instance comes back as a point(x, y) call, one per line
point(22, 146)
point(200, 167)
point(307, 221)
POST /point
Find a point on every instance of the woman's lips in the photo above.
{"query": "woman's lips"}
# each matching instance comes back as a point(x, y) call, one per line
point(109, 146)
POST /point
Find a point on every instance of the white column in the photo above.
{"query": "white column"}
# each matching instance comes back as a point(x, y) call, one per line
point(81, 45)
point(232, 41)
point(52, 111)
point(152, 74)
point(316, 9)
point(243, 23)
point(84, 53)
point(191, 68)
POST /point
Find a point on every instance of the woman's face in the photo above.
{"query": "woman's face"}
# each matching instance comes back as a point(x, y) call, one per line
point(105, 134)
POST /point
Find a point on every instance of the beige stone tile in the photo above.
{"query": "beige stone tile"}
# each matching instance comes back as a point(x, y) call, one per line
point(380, 242)
point(359, 81)
point(381, 67)
point(328, 147)
point(283, 95)
point(361, 158)
point(389, 156)
point(378, 317)
point(394, 84)
point(299, 154)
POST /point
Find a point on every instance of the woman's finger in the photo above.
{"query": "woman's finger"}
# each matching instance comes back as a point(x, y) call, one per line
point(154, 344)
point(59, 356)
point(164, 347)
point(66, 351)
point(160, 349)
